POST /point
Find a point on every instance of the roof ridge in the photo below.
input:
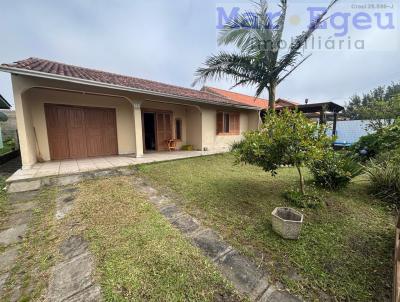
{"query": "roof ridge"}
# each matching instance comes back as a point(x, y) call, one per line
point(116, 74)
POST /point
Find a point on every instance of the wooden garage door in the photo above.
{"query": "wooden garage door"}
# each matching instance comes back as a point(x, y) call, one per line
point(79, 132)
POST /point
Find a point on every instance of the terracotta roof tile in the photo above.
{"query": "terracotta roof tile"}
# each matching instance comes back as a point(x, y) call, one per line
point(71, 71)
point(247, 99)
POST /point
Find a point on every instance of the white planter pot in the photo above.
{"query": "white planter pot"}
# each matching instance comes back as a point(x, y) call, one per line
point(287, 222)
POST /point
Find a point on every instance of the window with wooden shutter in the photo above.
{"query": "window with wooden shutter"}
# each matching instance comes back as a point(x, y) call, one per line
point(220, 122)
point(235, 123)
point(228, 123)
point(178, 129)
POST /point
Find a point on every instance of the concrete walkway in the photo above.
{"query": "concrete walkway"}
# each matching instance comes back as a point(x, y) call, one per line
point(70, 167)
point(244, 274)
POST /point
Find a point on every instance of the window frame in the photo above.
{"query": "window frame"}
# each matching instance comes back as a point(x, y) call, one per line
point(232, 117)
point(180, 129)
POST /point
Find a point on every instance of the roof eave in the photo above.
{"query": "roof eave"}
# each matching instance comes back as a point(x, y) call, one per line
point(45, 75)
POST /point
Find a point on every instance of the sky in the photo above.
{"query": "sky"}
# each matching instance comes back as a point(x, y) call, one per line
point(167, 40)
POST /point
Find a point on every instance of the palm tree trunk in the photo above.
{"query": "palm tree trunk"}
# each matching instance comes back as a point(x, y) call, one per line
point(271, 95)
point(301, 180)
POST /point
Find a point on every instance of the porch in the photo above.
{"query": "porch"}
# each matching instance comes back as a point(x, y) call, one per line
point(80, 166)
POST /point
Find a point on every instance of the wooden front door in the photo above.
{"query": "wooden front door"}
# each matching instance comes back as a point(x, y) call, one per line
point(79, 132)
point(164, 130)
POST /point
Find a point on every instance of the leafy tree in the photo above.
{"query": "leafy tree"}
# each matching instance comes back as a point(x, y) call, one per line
point(381, 106)
point(288, 138)
point(381, 113)
point(259, 41)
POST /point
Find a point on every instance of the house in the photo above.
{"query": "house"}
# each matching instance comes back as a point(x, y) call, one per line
point(7, 117)
point(3, 117)
point(9, 126)
point(70, 112)
point(3, 103)
point(247, 99)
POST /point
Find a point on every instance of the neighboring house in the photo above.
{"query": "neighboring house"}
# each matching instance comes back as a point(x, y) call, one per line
point(3, 103)
point(65, 112)
point(3, 117)
point(247, 99)
point(9, 127)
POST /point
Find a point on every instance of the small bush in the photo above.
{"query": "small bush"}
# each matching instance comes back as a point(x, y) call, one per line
point(301, 200)
point(10, 143)
point(187, 148)
point(334, 170)
point(384, 175)
point(374, 144)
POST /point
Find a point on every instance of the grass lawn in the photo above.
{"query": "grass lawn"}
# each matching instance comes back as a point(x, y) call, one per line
point(139, 255)
point(345, 249)
point(37, 252)
point(5, 149)
point(3, 198)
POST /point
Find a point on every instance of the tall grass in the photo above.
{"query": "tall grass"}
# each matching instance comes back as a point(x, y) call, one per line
point(385, 180)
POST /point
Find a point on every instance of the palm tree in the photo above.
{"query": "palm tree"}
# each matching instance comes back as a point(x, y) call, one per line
point(259, 42)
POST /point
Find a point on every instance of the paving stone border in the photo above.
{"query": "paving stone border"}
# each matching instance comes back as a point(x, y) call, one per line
point(12, 232)
point(21, 186)
point(244, 274)
point(72, 279)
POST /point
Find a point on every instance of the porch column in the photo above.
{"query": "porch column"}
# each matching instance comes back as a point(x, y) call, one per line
point(27, 136)
point(137, 117)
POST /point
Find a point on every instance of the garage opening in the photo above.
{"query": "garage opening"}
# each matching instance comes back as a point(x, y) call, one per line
point(80, 132)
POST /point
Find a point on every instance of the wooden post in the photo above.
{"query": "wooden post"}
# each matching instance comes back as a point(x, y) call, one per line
point(322, 116)
point(334, 123)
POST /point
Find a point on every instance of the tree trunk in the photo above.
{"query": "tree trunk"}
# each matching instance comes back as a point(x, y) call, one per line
point(301, 180)
point(271, 95)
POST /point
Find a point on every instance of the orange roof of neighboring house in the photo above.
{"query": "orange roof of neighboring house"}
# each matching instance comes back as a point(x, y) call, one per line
point(247, 99)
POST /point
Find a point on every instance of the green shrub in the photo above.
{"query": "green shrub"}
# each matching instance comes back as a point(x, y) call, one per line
point(391, 156)
point(384, 176)
point(301, 200)
point(383, 140)
point(334, 170)
point(284, 139)
point(187, 148)
point(10, 142)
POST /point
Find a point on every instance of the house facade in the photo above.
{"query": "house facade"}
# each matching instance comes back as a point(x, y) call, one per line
point(70, 112)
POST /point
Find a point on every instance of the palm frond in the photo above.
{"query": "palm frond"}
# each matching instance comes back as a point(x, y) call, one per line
point(293, 69)
point(225, 65)
point(294, 51)
point(249, 30)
